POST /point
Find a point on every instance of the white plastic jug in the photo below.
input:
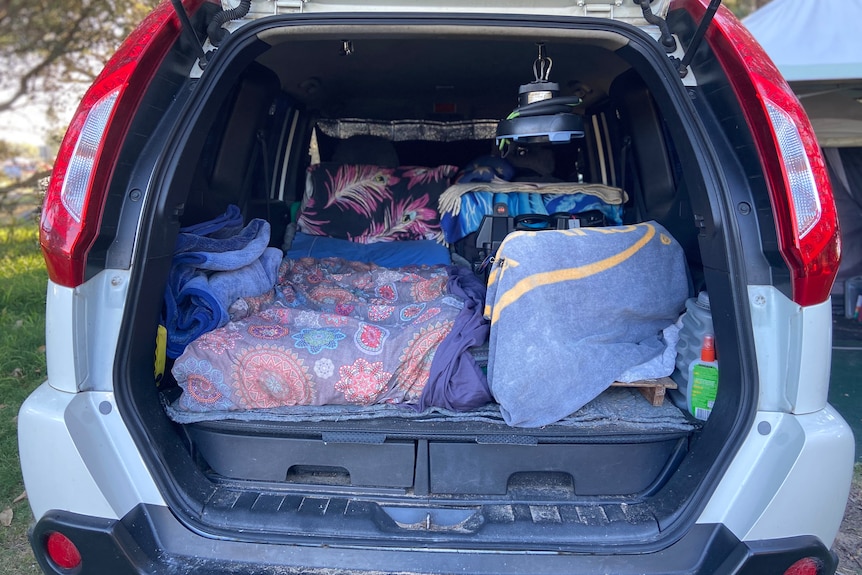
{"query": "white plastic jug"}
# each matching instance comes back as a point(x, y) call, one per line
point(696, 322)
point(852, 291)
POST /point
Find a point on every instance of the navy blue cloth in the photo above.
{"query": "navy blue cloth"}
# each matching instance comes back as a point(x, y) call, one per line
point(227, 224)
point(456, 381)
point(486, 169)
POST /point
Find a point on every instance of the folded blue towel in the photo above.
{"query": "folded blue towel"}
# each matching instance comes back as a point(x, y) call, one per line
point(222, 253)
point(202, 303)
point(213, 269)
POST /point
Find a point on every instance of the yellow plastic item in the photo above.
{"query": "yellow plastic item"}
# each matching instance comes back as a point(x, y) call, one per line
point(161, 348)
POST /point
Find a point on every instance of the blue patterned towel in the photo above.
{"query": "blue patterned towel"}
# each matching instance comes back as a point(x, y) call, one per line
point(572, 310)
point(463, 205)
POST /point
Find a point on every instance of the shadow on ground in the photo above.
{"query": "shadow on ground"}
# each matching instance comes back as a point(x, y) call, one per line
point(845, 394)
point(845, 384)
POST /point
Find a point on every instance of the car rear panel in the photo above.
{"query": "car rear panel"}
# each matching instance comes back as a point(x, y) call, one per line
point(160, 497)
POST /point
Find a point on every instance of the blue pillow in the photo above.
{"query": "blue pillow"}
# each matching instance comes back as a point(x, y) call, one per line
point(385, 254)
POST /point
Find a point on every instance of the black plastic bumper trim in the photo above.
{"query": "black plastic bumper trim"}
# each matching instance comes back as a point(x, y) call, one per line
point(151, 540)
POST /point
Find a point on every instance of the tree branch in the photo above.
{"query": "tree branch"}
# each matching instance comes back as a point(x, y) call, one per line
point(28, 182)
point(58, 50)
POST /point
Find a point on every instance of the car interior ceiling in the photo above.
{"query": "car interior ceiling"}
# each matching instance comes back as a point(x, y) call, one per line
point(398, 79)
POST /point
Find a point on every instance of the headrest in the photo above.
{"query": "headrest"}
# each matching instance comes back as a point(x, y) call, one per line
point(366, 150)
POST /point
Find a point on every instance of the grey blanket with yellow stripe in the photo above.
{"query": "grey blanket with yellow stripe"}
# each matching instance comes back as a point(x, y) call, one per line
point(571, 310)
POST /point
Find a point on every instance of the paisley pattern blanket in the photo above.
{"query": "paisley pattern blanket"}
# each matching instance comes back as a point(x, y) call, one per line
point(332, 332)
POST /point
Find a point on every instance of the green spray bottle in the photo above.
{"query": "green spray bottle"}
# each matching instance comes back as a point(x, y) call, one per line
point(703, 380)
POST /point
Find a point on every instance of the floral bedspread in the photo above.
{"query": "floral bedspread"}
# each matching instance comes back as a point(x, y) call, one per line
point(333, 332)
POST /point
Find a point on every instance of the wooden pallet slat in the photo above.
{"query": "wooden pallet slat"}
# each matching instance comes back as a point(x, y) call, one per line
point(652, 389)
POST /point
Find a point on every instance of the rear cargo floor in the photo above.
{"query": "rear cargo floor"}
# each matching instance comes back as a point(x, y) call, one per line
point(617, 409)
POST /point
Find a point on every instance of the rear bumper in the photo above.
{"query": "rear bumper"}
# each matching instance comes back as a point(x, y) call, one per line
point(151, 540)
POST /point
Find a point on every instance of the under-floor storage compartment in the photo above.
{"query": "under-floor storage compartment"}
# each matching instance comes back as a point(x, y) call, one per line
point(442, 458)
point(342, 461)
point(588, 469)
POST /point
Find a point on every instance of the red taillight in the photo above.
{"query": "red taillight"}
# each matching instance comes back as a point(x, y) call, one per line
point(62, 551)
point(72, 211)
point(806, 566)
point(796, 175)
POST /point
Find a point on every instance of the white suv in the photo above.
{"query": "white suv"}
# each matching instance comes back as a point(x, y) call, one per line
point(141, 458)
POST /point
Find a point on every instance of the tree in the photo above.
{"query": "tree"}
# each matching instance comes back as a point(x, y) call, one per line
point(50, 51)
point(743, 8)
point(49, 48)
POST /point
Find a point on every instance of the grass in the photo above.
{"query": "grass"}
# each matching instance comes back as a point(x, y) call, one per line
point(22, 368)
point(848, 544)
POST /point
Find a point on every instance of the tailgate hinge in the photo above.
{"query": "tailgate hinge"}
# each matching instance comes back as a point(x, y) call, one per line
point(667, 40)
point(289, 5)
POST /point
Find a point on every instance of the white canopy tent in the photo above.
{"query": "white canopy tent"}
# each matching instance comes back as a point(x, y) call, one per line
point(811, 39)
point(817, 46)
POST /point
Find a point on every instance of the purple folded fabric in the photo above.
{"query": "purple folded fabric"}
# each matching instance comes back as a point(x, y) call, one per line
point(456, 382)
